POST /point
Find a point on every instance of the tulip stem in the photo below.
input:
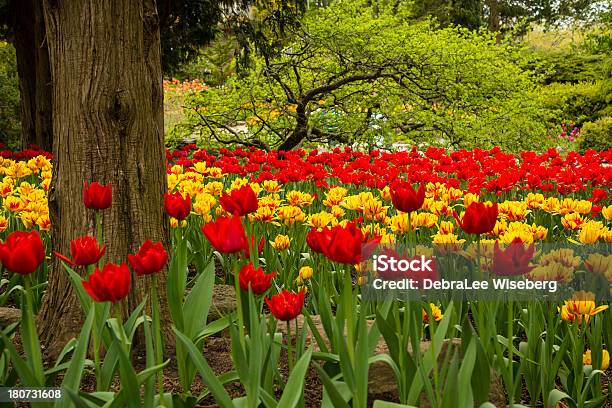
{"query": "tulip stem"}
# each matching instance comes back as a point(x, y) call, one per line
point(289, 348)
point(158, 339)
point(510, 356)
point(409, 233)
point(99, 227)
point(239, 308)
point(96, 345)
point(478, 253)
point(348, 295)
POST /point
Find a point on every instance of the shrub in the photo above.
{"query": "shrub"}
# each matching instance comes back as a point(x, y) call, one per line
point(10, 128)
point(578, 103)
point(597, 135)
point(565, 67)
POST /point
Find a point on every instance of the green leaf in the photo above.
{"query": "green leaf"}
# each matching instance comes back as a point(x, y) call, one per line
point(130, 387)
point(29, 338)
point(554, 396)
point(315, 332)
point(208, 376)
point(267, 399)
point(197, 303)
point(72, 379)
point(176, 282)
point(294, 388)
point(77, 400)
point(77, 284)
point(330, 388)
point(386, 404)
point(135, 319)
point(109, 365)
point(465, 376)
point(590, 379)
point(481, 376)
point(429, 358)
point(149, 387)
point(26, 375)
point(214, 327)
point(148, 372)
point(385, 358)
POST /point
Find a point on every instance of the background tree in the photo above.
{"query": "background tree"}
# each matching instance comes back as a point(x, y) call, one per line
point(186, 26)
point(336, 81)
point(108, 126)
point(507, 15)
point(22, 23)
point(10, 126)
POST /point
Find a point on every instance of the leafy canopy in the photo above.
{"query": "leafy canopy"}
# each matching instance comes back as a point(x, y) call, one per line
point(354, 74)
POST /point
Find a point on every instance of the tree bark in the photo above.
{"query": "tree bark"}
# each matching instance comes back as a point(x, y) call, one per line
point(34, 74)
point(25, 51)
point(108, 127)
point(494, 19)
point(43, 114)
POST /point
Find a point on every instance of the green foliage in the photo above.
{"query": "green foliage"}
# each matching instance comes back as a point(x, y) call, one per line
point(577, 89)
point(576, 103)
point(360, 77)
point(566, 66)
point(188, 25)
point(10, 128)
point(597, 135)
point(599, 40)
point(214, 64)
point(510, 15)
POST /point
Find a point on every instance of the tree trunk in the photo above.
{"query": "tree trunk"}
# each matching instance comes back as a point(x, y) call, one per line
point(25, 51)
point(108, 127)
point(300, 131)
point(44, 96)
point(494, 19)
point(34, 74)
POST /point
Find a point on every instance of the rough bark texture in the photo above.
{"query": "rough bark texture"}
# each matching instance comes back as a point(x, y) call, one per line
point(44, 96)
point(34, 73)
point(25, 51)
point(108, 127)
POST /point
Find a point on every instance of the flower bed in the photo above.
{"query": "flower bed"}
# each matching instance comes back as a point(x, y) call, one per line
point(295, 233)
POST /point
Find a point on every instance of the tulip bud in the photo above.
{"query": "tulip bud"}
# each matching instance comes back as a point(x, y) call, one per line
point(306, 272)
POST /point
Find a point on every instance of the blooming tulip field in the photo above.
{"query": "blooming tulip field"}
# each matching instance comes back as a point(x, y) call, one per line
point(294, 236)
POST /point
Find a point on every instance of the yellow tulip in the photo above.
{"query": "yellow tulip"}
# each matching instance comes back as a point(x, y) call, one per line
point(281, 242)
point(436, 313)
point(605, 359)
point(306, 272)
point(607, 212)
point(590, 232)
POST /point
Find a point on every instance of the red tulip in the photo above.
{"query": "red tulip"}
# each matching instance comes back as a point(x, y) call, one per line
point(110, 284)
point(598, 195)
point(22, 252)
point(317, 240)
point(255, 278)
point(260, 246)
point(241, 200)
point(514, 260)
point(406, 199)
point(84, 251)
point(151, 258)
point(286, 305)
point(97, 196)
point(348, 244)
point(226, 234)
point(478, 218)
point(177, 206)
